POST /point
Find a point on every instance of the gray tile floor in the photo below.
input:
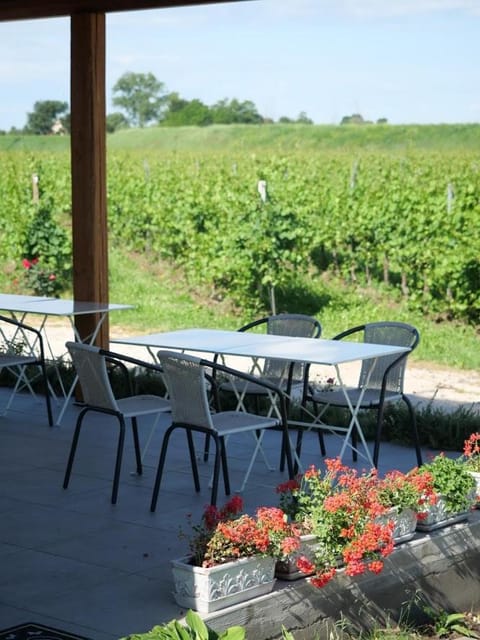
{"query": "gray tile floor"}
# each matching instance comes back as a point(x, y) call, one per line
point(69, 558)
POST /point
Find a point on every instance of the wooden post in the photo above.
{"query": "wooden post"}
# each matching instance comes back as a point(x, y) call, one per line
point(88, 154)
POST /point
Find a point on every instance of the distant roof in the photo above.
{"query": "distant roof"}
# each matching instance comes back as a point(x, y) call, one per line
point(28, 9)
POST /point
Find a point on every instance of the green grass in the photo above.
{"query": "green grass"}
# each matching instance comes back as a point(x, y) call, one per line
point(284, 138)
point(164, 300)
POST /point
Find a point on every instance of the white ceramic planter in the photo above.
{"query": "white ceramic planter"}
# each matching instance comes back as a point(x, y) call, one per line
point(210, 589)
point(287, 569)
point(438, 516)
point(476, 475)
point(405, 523)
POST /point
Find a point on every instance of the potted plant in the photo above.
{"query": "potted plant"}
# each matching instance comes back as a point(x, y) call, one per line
point(232, 556)
point(471, 460)
point(454, 487)
point(341, 509)
point(300, 499)
point(405, 495)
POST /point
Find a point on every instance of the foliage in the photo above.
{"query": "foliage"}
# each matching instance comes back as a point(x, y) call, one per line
point(471, 452)
point(452, 482)
point(225, 534)
point(116, 121)
point(46, 254)
point(194, 629)
point(180, 112)
point(44, 115)
point(444, 624)
point(141, 96)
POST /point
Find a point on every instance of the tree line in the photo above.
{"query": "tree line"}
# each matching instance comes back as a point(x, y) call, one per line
point(142, 101)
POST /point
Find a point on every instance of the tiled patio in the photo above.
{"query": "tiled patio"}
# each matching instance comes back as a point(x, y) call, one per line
point(71, 560)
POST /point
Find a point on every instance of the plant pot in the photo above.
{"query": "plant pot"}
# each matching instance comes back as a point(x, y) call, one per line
point(287, 569)
point(210, 589)
point(438, 516)
point(476, 475)
point(405, 523)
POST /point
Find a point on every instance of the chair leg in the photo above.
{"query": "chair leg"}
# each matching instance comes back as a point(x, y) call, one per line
point(161, 464)
point(136, 442)
point(206, 448)
point(413, 422)
point(219, 453)
point(226, 475)
point(193, 460)
point(118, 461)
point(47, 394)
point(354, 444)
point(378, 435)
point(73, 448)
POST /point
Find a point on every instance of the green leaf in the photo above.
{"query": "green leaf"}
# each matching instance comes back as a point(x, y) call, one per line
point(197, 625)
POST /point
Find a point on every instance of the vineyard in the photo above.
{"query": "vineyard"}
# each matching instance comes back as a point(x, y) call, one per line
point(408, 220)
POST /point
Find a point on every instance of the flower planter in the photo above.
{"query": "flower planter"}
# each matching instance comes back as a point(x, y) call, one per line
point(476, 475)
point(438, 516)
point(287, 569)
point(405, 523)
point(210, 589)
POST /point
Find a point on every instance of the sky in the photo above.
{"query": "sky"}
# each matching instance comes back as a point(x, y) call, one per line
point(409, 61)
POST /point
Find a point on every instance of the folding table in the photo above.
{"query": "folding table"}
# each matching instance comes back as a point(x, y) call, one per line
point(317, 351)
point(19, 306)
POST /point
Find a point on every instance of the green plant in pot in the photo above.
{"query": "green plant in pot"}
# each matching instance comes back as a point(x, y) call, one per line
point(455, 490)
point(471, 460)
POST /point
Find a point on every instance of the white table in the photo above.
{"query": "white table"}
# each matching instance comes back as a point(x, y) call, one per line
point(20, 306)
point(315, 351)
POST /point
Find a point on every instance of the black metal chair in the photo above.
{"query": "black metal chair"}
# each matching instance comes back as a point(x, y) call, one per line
point(190, 386)
point(22, 348)
point(282, 373)
point(384, 383)
point(90, 363)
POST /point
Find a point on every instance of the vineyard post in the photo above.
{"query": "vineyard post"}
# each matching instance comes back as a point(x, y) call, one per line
point(450, 197)
point(35, 189)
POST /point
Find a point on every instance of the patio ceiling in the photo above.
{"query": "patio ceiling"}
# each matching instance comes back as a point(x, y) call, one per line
point(88, 133)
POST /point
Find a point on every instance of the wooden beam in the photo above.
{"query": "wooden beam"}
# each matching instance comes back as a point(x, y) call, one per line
point(27, 9)
point(88, 150)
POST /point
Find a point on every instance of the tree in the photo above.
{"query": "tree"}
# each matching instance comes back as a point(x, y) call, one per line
point(45, 113)
point(303, 118)
point(140, 95)
point(116, 121)
point(235, 112)
point(182, 112)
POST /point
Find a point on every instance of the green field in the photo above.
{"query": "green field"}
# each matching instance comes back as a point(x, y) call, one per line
point(363, 223)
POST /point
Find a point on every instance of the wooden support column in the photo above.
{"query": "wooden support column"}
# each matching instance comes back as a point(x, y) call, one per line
point(88, 157)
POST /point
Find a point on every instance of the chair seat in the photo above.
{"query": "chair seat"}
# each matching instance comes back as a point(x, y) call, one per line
point(336, 398)
point(229, 422)
point(12, 360)
point(142, 405)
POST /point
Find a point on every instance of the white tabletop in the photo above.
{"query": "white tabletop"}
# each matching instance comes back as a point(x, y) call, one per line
point(55, 306)
point(257, 345)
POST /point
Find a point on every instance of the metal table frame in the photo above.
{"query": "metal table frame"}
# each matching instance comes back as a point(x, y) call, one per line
point(20, 306)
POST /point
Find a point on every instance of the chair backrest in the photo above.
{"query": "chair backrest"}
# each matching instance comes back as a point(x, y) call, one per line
point(91, 368)
point(391, 333)
point(294, 325)
point(187, 388)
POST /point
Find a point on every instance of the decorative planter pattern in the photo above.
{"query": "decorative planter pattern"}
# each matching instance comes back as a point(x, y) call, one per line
point(405, 523)
point(438, 516)
point(210, 589)
point(287, 569)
